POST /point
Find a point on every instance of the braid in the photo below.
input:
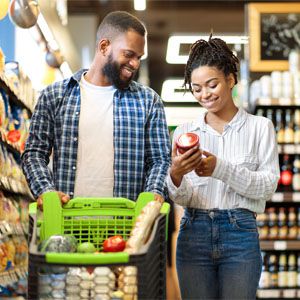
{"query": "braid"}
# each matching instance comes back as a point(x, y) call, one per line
point(213, 53)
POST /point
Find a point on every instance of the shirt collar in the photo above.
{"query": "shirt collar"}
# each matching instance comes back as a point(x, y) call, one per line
point(236, 123)
point(133, 86)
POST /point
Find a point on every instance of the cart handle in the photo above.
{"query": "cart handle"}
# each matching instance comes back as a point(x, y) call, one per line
point(93, 203)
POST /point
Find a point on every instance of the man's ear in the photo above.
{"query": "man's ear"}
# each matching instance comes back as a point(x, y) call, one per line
point(103, 46)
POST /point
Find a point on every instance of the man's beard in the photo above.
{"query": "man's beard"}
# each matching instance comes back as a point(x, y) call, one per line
point(112, 71)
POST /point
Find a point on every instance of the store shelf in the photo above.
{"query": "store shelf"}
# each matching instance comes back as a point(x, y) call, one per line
point(12, 93)
point(286, 197)
point(279, 245)
point(10, 146)
point(288, 149)
point(267, 102)
point(11, 276)
point(289, 293)
point(8, 229)
point(13, 186)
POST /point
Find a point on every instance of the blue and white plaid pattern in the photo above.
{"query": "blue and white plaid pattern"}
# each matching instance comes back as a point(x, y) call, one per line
point(141, 140)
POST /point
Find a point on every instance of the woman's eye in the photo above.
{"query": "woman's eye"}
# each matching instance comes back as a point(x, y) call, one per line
point(213, 86)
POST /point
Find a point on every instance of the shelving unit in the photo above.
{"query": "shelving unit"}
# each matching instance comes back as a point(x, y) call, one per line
point(284, 199)
point(14, 199)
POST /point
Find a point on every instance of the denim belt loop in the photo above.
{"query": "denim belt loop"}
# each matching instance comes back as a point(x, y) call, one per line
point(231, 219)
point(193, 215)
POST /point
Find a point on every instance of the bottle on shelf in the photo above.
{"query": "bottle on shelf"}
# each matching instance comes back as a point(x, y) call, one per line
point(282, 271)
point(260, 112)
point(269, 115)
point(298, 270)
point(273, 269)
point(292, 223)
point(296, 171)
point(297, 126)
point(298, 227)
point(265, 277)
point(262, 221)
point(273, 223)
point(286, 174)
point(289, 127)
point(282, 224)
point(280, 131)
point(292, 271)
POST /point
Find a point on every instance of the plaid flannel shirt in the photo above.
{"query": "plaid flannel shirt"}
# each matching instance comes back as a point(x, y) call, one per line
point(141, 140)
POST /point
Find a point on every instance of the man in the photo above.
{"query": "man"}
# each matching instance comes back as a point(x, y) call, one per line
point(108, 133)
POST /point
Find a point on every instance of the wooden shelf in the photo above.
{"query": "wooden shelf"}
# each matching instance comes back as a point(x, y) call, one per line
point(279, 245)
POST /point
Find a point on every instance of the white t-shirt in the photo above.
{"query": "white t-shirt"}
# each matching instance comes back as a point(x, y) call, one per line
point(95, 158)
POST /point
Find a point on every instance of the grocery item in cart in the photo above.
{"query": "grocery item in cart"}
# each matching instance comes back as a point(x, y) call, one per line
point(97, 275)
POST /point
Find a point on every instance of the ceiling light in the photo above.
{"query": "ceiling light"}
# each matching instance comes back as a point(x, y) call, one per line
point(139, 4)
point(174, 42)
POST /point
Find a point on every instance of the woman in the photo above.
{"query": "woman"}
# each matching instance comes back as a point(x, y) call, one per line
point(222, 186)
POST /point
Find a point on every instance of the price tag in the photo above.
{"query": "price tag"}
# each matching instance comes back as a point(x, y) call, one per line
point(268, 293)
point(289, 293)
point(285, 101)
point(264, 101)
point(289, 149)
point(280, 149)
point(280, 245)
point(296, 197)
point(277, 197)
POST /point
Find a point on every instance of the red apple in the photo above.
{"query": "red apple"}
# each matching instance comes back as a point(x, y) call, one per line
point(114, 244)
point(187, 141)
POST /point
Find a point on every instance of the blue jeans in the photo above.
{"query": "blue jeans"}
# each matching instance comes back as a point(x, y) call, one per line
point(218, 254)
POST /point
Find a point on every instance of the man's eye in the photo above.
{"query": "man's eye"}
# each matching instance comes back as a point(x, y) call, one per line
point(128, 55)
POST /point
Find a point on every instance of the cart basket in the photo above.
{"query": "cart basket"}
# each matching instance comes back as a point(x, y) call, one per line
point(94, 220)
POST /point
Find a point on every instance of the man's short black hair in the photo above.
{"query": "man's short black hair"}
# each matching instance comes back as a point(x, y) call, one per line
point(119, 22)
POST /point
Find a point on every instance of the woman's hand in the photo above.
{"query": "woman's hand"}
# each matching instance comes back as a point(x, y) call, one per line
point(206, 165)
point(184, 163)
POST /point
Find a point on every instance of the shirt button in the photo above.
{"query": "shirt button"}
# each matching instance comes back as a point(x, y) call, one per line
point(75, 139)
point(211, 214)
point(74, 168)
point(77, 113)
point(71, 193)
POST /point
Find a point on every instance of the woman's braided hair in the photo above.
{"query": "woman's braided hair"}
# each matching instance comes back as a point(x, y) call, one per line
point(212, 53)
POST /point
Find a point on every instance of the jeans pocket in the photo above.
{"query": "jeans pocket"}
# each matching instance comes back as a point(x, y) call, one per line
point(247, 224)
point(183, 223)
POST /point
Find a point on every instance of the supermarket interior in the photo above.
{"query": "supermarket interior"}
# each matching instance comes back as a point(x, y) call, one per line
point(44, 41)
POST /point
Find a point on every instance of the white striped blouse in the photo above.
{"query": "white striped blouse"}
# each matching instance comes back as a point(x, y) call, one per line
point(247, 169)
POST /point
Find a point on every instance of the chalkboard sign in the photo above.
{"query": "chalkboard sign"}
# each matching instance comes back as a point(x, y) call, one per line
point(274, 30)
point(280, 33)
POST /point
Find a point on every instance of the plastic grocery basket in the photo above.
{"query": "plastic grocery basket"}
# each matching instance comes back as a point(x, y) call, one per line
point(95, 219)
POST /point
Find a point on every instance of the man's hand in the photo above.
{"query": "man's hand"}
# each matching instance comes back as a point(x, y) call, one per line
point(184, 163)
point(64, 198)
point(206, 165)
